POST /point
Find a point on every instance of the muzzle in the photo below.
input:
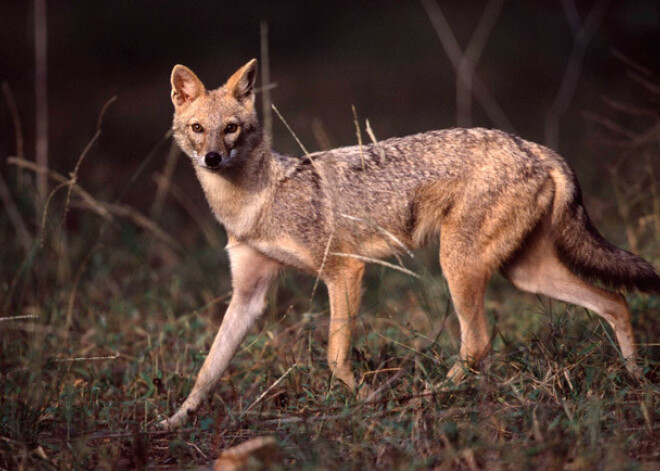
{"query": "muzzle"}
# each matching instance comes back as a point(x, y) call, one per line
point(216, 161)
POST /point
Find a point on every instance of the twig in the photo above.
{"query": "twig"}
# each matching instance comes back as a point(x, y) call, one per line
point(99, 358)
point(372, 136)
point(73, 177)
point(44, 212)
point(26, 164)
point(279, 115)
point(652, 87)
point(610, 124)
point(572, 16)
point(378, 262)
point(374, 395)
point(88, 147)
point(320, 135)
point(18, 128)
point(384, 231)
point(573, 69)
point(24, 236)
point(105, 210)
point(358, 134)
point(138, 218)
point(632, 64)
point(135, 175)
point(14, 318)
point(270, 388)
point(41, 92)
point(265, 81)
point(453, 51)
point(74, 290)
point(629, 109)
point(165, 181)
point(465, 71)
point(320, 272)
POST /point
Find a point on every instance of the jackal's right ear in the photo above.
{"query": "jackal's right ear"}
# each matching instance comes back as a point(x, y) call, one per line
point(186, 87)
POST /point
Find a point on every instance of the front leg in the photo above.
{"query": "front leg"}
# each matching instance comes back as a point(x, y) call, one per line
point(344, 289)
point(252, 274)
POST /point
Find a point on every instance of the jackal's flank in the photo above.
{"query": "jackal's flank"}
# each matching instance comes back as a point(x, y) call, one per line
point(494, 201)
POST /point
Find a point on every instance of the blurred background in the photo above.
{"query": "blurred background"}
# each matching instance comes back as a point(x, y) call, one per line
point(576, 75)
point(385, 58)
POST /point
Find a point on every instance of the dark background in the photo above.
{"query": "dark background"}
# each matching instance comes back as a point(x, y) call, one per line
point(383, 57)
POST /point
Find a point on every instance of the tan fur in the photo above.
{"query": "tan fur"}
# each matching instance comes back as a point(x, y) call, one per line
point(495, 202)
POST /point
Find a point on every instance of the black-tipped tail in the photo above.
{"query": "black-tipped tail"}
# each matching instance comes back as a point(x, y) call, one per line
point(581, 247)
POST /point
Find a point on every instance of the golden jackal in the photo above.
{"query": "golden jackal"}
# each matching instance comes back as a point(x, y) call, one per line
point(500, 203)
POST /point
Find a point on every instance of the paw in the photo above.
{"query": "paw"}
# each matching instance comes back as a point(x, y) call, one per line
point(177, 420)
point(456, 373)
point(635, 370)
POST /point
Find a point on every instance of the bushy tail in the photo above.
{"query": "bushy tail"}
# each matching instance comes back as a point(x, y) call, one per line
point(581, 247)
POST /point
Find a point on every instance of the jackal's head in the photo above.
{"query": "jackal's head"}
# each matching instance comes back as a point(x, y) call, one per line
point(218, 129)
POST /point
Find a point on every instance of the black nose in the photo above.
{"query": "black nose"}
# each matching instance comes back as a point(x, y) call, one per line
point(212, 159)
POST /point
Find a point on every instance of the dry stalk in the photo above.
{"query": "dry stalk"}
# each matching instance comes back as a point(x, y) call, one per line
point(300, 144)
point(265, 80)
point(320, 135)
point(97, 358)
point(24, 236)
point(455, 55)
point(320, 272)
point(465, 71)
point(86, 197)
point(74, 290)
point(358, 134)
point(270, 388)
point(164, 181)
point(372, 136)
point(582, 34)
point(378, 262)
point(15, 318)
point(103, 209)
point(15, 217)
point(18, 129)
point(391, 236)
point(44, 213)
point(41, 92)
point(74, 175)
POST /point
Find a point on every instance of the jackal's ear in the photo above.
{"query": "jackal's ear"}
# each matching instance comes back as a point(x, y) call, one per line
point(186, 87)
point(241, 84)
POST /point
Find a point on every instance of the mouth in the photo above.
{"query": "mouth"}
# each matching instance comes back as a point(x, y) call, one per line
point(215, 161)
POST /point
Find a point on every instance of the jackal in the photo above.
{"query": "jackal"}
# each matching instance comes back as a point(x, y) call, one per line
point(493, 200)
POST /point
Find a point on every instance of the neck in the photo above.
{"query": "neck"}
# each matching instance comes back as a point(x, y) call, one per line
point(237, 195)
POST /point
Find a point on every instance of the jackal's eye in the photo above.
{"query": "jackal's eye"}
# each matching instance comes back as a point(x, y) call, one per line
point(231, 128)
point(196, 127)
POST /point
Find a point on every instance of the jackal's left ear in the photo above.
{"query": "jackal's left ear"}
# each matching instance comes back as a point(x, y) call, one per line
point(241, 84)
point(186, 87)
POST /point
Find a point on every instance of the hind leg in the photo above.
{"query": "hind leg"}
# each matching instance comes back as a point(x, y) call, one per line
point(467, 278)
point(537, 269)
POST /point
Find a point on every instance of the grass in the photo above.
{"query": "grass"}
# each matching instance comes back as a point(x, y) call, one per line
point(105, 324)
